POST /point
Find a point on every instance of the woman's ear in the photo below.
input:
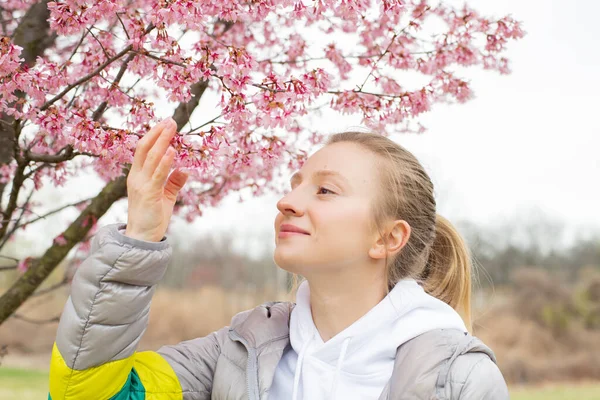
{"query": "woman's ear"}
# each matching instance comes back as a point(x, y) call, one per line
point(392, 241)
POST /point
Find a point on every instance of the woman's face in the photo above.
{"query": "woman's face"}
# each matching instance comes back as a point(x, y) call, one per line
point(330, 202)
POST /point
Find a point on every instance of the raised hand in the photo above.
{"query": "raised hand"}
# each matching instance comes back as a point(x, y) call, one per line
point(151, 191)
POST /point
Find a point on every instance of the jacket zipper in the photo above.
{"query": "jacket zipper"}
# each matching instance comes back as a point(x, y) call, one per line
point(251, 367)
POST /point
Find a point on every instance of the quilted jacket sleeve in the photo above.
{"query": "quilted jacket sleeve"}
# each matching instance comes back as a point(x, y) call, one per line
point(95, 357)
point(475, 376)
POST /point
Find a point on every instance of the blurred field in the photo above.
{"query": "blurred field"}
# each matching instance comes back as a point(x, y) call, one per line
point(587, 391)
point(544, 333)
point(21, 384)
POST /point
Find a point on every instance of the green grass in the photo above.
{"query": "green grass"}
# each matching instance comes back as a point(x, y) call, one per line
point(20, 384)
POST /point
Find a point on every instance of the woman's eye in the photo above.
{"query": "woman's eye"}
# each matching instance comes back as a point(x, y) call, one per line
point(323, 190)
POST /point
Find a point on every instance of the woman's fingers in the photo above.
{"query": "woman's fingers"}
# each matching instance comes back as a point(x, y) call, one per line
point(145, 144)
point(158, 150)
point(174, 184)
point(161, 172)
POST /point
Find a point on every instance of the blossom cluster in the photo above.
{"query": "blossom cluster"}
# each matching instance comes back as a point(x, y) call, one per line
point(117, 64)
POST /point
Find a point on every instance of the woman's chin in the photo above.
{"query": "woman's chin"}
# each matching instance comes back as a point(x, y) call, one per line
point(287, 260)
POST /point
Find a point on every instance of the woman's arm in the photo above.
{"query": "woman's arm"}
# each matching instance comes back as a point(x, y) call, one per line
point(474, 376)
point(95, 356)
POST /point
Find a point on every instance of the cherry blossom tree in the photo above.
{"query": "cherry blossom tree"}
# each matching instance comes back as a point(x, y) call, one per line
point(81, 81)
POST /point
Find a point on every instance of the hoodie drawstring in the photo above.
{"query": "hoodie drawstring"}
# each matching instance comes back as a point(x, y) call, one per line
point(299, 367)
point(338, 367)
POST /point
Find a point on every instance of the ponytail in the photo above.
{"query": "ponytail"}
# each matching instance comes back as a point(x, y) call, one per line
point(447, 275)
point(435, 253)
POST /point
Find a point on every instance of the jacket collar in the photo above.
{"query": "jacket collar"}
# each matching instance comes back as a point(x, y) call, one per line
point(270, 323)
point(264, 324)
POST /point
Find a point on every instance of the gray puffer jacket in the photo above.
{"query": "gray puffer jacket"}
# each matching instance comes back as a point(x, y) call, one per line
point(95, 355)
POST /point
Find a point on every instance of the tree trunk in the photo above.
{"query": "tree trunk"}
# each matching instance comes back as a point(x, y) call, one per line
point(33, 35)
point(40, 268)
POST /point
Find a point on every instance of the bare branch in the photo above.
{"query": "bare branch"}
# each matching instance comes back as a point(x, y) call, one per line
point(69, 154)
point(211, 121)
point(184, 111)
point(8, 235)
point(389, 96)
point(74, 51)
point(51, 158)
point(99, 42)
point(102, 107)
point(37, 321)
point(35, 170)
point(17, 183)
point(10, 258)
point(123, 25)
point(50, 288)
point(54, 212)
point(40, 268)
point(163, 60)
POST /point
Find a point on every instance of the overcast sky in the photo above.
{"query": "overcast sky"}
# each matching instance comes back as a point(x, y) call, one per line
point(528, 141)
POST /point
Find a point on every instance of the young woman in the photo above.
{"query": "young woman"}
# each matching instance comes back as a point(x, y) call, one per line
point(384, 311)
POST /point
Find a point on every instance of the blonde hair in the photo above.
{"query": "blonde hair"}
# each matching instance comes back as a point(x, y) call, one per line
point(435, 254)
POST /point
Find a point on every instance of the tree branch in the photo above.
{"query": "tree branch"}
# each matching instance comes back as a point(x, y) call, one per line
point(102, 107)
point(53, 212)
point(92, 74)
point(37, 321)
point(40, 268)
point(17, 183)
point(99, 42)
point(33, 33)
point(50, 288)
point(163, 60)
point(8, 235)
point(123, 25)
point(360, 88)
point(184, 110)
point(34, 37)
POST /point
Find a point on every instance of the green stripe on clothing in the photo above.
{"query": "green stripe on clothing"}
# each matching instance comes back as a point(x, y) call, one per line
point(133, 388)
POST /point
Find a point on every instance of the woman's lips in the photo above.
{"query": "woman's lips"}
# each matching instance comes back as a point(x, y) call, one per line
point(290, 234)
point(287, 230)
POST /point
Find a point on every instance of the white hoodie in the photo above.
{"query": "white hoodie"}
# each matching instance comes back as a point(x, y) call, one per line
point(357, 362)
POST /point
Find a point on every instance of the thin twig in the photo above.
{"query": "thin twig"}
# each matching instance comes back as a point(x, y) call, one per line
point(91, 74)
point(74, 51)
point(37, 321)
point(102, 107)
point(35, 170)
point(203, 125)
point(50, 288)
point(390, 45)
point(163, 60)
point(8, 235)
point(390, 96)
point(54, 212)
point(123, 25)
point(99, 42)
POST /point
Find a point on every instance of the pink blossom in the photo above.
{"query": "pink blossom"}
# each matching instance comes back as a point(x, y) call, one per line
point(24, 264)
point(60, 240)
point(264, 74)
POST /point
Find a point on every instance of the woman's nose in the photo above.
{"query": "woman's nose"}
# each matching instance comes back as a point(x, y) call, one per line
point(290, 206)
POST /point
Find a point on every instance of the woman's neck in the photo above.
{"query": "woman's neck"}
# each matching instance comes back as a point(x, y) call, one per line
point(338, 303)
